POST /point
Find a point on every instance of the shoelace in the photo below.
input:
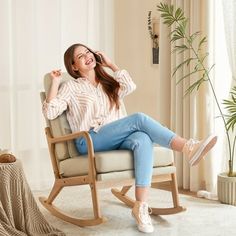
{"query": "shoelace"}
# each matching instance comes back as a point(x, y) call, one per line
point(190, 144)
point(144, 214)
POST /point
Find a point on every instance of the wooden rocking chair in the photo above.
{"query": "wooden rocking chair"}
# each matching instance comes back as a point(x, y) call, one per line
point(109, 169)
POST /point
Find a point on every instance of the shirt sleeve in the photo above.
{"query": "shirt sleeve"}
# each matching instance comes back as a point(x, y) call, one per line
point(57, 105)
point(127, 85)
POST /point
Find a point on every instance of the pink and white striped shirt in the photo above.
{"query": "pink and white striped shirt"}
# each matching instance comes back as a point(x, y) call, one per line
point(87, 106)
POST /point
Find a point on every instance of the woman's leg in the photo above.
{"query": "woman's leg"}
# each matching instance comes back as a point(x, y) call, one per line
point(127, 134)
point(110, 136)
point(114, 134)
point(142, 147)
point(178, 143)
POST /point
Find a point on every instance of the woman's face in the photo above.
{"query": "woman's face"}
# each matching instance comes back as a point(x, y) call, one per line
point(84, 60)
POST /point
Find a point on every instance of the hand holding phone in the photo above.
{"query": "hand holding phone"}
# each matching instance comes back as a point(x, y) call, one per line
point(98, 58)
point(105, 61)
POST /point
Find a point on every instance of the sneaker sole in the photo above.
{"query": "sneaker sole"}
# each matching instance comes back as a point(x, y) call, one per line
point(140, 228)
point(203, 150)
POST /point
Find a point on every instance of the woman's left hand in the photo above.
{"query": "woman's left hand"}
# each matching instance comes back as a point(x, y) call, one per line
point(106, 61)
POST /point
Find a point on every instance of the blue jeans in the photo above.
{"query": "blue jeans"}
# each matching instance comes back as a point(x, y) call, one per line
point(137, 132)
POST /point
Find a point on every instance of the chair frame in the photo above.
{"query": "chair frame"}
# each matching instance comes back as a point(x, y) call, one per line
point(90, 179)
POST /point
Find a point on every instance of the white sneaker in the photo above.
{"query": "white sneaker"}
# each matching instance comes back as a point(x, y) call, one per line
point(196, 150)
point(141, 213)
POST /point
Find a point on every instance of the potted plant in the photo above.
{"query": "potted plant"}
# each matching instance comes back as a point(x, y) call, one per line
point(227, 181)
point(184, 41)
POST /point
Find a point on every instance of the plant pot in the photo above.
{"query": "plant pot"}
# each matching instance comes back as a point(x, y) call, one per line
point(226, 188)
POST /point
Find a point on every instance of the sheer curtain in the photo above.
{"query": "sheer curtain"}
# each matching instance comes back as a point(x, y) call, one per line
point(34, 36)
point(229, 15)
point(229, 34)
point(193, 115)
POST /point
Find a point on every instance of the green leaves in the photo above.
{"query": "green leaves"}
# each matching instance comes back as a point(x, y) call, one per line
point(196, 84)
point(150, 24)
point(203, 40)
point(185, 42)
point(230, 106)
point(168, 14)
point(185, 62)
point(153, 36)
point(179, 32)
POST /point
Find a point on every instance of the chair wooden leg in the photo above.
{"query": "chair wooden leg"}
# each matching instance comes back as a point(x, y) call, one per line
point(175, 197)
point(125, 189)
point(96, 208)
point(121, 195)
point(57, 187)
point(174, 190)
point(47, 203)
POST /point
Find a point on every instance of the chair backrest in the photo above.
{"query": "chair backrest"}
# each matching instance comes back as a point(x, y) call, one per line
point(60, 125)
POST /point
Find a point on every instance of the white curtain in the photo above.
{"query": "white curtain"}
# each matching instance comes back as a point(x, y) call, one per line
point(190, 116)
point(229, 32)
point(34, 36)
point(229, 14)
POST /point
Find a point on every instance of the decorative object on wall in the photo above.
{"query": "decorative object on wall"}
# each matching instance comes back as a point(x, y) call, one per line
point(153, 28)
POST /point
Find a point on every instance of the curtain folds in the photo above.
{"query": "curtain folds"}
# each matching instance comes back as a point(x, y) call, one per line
point(229, 10)
point(190, 116)
point(229, 19)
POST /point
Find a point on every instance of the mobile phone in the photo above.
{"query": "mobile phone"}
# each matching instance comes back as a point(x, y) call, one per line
point(98, 58)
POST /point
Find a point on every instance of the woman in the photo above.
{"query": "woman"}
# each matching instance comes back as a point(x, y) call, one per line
point(92, 101)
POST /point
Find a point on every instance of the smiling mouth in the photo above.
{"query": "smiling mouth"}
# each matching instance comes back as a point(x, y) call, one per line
point(88, 62)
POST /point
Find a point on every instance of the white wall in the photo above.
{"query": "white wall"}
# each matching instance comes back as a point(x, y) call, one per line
point(34, 36)
point(133, 51)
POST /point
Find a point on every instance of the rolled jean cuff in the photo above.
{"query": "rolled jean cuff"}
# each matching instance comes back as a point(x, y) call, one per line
point(171, 139)
point(143, 185)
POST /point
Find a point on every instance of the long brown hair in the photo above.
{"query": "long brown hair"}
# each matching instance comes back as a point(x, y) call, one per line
point(109, 84)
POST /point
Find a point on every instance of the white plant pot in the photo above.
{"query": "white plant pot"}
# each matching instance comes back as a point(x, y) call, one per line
point(226, 188)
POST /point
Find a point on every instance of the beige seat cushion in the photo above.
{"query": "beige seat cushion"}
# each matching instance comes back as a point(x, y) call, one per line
point(112, 161)
point(129, 174)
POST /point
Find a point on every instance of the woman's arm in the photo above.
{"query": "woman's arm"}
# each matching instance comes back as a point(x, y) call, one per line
point(106, 62)
point(127, 85)
point(57, 99)
point(114, 67)
point(56, 79)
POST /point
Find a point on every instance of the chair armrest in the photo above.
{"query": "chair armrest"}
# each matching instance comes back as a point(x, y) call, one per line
point(53, 140)
point(69, 137)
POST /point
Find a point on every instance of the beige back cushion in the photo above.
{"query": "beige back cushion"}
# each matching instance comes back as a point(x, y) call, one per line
point(60, 125)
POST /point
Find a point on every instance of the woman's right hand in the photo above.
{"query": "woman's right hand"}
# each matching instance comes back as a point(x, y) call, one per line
point(56, 75)
point(56, 79)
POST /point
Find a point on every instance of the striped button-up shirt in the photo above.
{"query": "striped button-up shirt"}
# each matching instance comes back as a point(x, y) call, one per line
point(87, 106)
